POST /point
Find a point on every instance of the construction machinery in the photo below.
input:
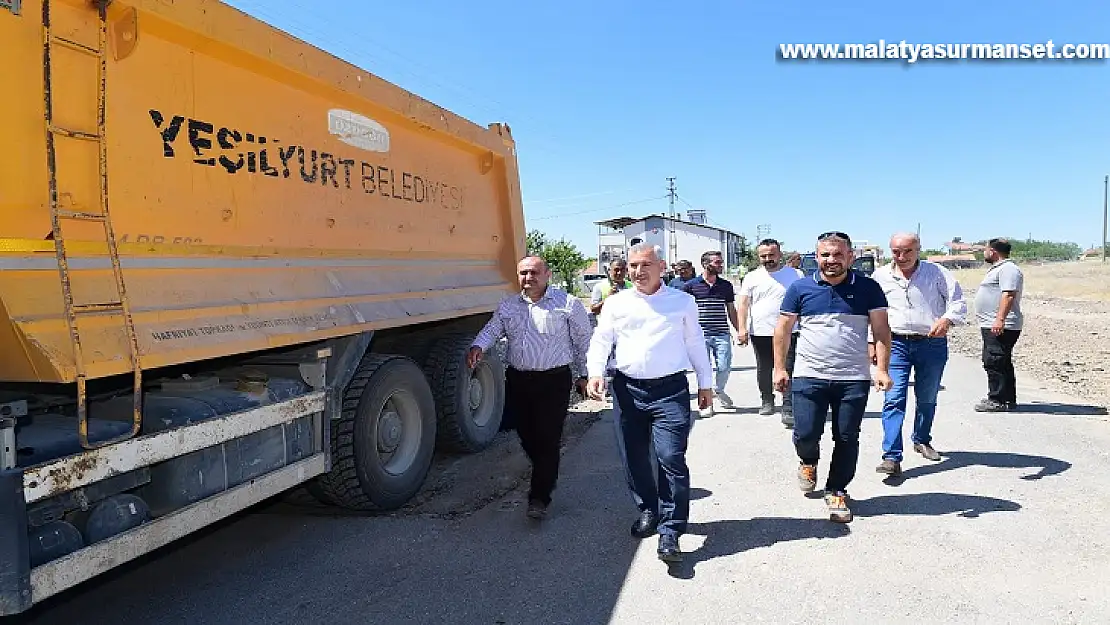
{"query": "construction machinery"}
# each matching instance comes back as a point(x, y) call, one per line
point(230, 264)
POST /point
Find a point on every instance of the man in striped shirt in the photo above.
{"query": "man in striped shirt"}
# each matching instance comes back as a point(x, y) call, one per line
point(716, 300)
point(548, 334)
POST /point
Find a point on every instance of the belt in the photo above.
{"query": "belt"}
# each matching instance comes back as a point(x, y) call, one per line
point(649, 382)
point(911, 337)
point(554, 370)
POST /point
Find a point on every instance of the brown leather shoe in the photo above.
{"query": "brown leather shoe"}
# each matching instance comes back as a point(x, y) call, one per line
point(927, 451)
point(889, 467)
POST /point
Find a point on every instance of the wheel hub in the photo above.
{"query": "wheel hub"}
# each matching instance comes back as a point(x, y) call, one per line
point(389, 432)
point(476, 393)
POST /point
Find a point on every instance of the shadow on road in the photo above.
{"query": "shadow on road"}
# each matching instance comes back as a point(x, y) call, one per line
point(932, 504)
point(727, 538)
point(1052, 408)
point(285, 567)
point(997, 460)
point(700, 493)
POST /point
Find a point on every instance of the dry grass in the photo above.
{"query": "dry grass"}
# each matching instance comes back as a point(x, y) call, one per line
point(1086, 280)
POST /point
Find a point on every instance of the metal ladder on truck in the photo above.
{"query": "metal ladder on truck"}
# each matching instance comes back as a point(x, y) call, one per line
point(58, 216)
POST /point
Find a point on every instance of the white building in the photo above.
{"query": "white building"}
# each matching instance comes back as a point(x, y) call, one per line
point(680, 239)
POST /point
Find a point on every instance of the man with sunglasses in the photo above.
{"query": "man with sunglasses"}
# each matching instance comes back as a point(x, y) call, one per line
point(832, 370)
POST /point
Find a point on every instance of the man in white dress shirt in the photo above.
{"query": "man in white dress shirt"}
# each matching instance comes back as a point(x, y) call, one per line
point(548, 332)
point(657, 337)
point(924, 301)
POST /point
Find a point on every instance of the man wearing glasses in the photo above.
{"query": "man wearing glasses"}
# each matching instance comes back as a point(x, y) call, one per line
point(832, 370)
point(925, 302)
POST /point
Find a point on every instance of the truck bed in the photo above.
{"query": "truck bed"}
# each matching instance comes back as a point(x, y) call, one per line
point(262, 192)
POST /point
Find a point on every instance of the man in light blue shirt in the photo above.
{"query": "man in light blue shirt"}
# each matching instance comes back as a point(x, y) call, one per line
point(924, 302)
point(548, 333)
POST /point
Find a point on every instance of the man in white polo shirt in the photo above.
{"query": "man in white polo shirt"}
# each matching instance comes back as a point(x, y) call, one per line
point(761, 295)
point(658, 338)
point(924, 302)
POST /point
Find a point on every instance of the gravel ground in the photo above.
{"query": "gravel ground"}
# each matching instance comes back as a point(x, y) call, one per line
point(1064, 345)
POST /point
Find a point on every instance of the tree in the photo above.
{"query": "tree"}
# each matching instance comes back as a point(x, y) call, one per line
point(536, 241)
point(565, 261)
point(927, 253)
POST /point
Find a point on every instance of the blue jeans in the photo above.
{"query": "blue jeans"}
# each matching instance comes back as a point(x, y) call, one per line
point(719, 347)
point(655, 414)
point(813, 399)
point(926, 357)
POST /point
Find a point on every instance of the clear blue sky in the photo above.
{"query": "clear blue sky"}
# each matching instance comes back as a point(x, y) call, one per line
point(606, 100)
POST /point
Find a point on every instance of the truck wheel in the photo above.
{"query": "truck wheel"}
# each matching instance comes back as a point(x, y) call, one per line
point(468, 403)
point(382, 446)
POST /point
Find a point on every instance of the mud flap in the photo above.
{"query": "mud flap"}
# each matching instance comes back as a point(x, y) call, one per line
point(15, 558)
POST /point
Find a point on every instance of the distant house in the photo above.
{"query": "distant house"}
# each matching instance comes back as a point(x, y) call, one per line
point(959, 247)
point(680, 239)
point(956, 261)
point(1095, 253)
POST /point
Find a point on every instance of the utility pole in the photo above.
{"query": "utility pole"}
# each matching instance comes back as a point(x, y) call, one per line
point(672, 253)
point(1105, 192)
point(762, 231)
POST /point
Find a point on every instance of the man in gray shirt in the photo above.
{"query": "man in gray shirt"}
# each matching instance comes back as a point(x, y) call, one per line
point(998, 311)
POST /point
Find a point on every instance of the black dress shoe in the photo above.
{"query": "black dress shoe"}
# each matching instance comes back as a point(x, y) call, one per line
point(645, 525)
point(668, 548)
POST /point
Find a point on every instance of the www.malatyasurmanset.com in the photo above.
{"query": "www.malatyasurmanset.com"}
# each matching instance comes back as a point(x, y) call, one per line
point(914, 52)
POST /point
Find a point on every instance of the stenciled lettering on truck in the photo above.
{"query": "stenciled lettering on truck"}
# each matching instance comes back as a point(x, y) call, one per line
point(222, 148)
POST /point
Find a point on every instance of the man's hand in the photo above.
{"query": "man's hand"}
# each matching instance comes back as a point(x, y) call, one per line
point(473, 356)
point(882, 381)
point(940, 328)
point(705, 398)
point(782, 380)
point(872, 355)
point(581, 384)
point(998, 327)
point(595, 389)
point(741, 338)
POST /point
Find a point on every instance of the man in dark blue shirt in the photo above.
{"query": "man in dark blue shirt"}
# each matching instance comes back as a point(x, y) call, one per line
point(832, 368)
point(716, 309)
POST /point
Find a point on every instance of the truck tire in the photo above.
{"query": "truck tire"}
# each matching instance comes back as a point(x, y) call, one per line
point(382, 445)
point(468, 403)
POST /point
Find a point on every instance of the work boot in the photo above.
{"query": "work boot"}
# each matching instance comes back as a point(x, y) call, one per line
point(807, 477)
point(837, 503)
point(768, 407)
point(890, 467)
point(927, 451)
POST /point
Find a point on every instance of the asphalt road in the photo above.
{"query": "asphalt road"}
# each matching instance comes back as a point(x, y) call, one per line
point(1013, 525)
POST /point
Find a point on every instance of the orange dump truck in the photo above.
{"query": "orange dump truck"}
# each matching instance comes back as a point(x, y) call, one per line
point(230, 264)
